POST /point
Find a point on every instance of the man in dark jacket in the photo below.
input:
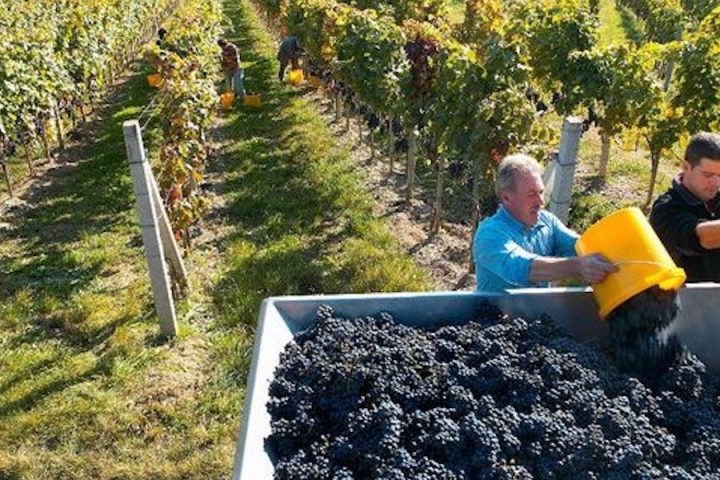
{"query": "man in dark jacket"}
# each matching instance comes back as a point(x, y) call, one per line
point(289, 52)
point(687, 216)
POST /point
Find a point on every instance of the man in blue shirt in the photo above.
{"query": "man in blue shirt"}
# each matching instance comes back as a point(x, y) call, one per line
point(522, 245)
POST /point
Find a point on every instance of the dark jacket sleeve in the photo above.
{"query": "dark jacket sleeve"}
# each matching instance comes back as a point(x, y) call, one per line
point(675, 225)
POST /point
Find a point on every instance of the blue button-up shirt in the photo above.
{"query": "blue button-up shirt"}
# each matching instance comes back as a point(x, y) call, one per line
point(504, 248)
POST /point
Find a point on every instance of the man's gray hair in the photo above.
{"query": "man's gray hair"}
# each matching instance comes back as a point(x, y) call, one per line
point(506, 172)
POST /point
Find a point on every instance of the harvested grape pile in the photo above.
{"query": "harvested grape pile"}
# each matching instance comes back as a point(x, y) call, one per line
point(496, 398)
point(637, 343)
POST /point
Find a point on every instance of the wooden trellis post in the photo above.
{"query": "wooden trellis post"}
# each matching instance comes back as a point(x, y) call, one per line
point(6, 174)
point(28, 154)
point(338, 106)
point(347, 115)
point(391, 145)
point(58, 125)
point(156, 232)
point(411, 162)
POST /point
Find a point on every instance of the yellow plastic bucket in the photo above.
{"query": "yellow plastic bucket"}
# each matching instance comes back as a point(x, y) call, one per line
point(226, 100)
point(252, 100)
point(154, 79)
point(296, 77)
point(627, 240)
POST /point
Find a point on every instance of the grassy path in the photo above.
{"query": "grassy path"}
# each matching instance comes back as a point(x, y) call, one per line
point(304, 224)
point(87, 390)
point(617, 25)
point(85, 384)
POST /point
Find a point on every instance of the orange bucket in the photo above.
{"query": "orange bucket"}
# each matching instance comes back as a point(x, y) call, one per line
point(252, 100)
point(154, 79)
point(296, 77)
point(626, 239)
point(226, 100)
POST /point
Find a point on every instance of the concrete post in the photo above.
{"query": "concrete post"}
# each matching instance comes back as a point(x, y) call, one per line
point(154, 253)
point(561, 189)
point(170, 246)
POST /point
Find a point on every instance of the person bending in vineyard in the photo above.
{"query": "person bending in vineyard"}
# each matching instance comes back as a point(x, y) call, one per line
point(523, 245)
point(234, 74)
point(687, 216)
point(289, 53)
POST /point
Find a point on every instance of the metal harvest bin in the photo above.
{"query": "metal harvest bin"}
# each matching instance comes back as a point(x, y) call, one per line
point(698, 327)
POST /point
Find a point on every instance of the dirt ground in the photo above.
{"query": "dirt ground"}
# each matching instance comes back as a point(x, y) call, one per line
point(446, 255)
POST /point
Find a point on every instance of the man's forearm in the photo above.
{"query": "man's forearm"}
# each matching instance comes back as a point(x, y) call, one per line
point(709, 234)
point(550, 269)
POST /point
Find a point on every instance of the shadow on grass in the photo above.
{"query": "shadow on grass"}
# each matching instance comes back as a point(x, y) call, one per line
point(88, 194)
point(593, 184)
point(30, 400)
point(30, 371)
point(629, 23)
point(77, 200)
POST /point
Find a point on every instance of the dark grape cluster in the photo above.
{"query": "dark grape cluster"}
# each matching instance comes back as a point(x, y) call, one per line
point(419, 52)
point(7, 146)
point(496, 398)
point(371, 120)
point(534, 96)
point(39, 122)
point(401, 144)
point(591, 119)
point(315, 68)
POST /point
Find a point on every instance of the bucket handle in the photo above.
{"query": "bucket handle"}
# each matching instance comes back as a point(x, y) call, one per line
point(639, 262)
point(674, 272)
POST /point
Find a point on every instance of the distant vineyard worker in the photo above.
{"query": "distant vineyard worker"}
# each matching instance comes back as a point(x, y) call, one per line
point(234, 74)
point(161, 33)
point(289, 53)
point(687, 216)
point(523, 245)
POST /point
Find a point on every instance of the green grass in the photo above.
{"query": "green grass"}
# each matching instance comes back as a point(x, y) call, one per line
point(634, 29)
point(304, 224)
point(618, 25)
point(87, 388)
point(612, 30)
point(456, 14)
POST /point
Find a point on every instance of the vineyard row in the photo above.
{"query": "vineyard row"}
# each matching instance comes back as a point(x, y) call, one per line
point(473, 95)
point(57, 59)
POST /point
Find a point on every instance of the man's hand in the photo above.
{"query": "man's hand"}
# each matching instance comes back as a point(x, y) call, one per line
point(594, 268)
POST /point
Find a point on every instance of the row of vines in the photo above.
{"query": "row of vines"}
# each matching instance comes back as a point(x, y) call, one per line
point(187, 60)
point(664, 21)
point(471, 93)
point(57, 58)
